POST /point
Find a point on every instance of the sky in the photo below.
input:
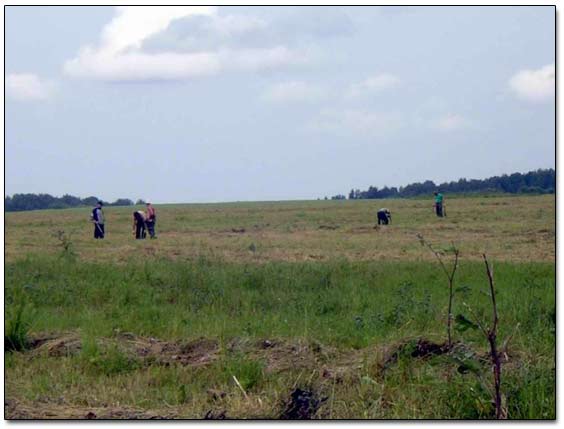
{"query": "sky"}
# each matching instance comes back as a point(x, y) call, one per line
point(208, 104)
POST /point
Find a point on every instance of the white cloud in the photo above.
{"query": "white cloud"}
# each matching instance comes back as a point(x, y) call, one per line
point(451, 122)
point(373, 85)
point(120, 56)
point(133, 24)
point(27, 86)
point(534, 85)
point(294, 92)
point(364, 123)
point(231, 25)
point(140, 66)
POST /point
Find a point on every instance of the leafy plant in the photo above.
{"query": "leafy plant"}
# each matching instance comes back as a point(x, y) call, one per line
point(463, 324)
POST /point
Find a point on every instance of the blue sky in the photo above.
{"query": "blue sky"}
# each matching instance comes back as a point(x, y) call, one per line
point(198, 104)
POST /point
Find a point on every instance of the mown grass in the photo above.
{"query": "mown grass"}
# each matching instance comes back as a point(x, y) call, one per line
point(509, 228)
point(359, 309)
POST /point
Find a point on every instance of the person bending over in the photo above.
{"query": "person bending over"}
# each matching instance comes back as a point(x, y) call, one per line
point(384, 217)
point(139, 224)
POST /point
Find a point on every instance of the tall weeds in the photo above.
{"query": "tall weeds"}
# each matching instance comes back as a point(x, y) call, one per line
point(18, 323)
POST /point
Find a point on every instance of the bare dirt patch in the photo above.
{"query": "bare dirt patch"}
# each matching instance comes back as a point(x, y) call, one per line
point(194, 353)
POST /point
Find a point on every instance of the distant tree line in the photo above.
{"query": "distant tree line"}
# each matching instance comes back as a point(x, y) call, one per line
point(542, 181)
point(22, 202)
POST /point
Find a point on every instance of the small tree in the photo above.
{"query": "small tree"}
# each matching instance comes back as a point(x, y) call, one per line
point(491, 336)
point(450, 277)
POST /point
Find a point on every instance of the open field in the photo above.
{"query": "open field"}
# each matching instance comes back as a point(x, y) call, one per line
point(235, 306)
point(507, 228)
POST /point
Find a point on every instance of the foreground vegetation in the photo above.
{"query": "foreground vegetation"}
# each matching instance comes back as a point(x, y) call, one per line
point(233, 334)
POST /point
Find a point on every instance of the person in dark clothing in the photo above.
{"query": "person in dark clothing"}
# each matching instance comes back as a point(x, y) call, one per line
point(97, 217)
point(151, 219)
point(384, 217)
point(139, 224)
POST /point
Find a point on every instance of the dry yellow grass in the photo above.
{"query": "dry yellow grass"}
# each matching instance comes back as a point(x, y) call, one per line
point(506, 228)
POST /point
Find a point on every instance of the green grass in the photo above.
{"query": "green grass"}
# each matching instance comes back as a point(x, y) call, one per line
point(332, 302)
point(347, 306)
point(310, 295)
point(17, 326)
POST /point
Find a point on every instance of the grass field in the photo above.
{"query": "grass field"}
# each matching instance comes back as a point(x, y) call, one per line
point(235, 306)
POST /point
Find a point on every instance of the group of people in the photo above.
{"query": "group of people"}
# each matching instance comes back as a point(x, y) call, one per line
point(143, 221)
point(385, 217)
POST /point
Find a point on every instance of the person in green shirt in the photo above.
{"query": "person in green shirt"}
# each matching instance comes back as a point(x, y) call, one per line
point(438, 203)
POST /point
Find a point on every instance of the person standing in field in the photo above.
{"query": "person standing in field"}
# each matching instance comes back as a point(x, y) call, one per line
point(438, 203)
point(139, 224)
point(97, 217)
point(151, 219)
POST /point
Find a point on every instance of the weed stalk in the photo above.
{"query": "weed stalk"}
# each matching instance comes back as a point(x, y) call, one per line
point(450, 277)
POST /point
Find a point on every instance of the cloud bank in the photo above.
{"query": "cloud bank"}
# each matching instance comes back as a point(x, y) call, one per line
point(120, 55)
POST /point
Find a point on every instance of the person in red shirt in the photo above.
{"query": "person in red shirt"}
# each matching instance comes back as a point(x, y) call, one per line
point(151, 219)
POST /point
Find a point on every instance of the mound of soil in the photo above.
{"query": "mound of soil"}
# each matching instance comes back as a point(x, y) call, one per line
point(56, 346)
point(421, 348)
point(282, 356)
point(302, 405)
point(425, 348)
point(195, 353)
point(150, 350)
